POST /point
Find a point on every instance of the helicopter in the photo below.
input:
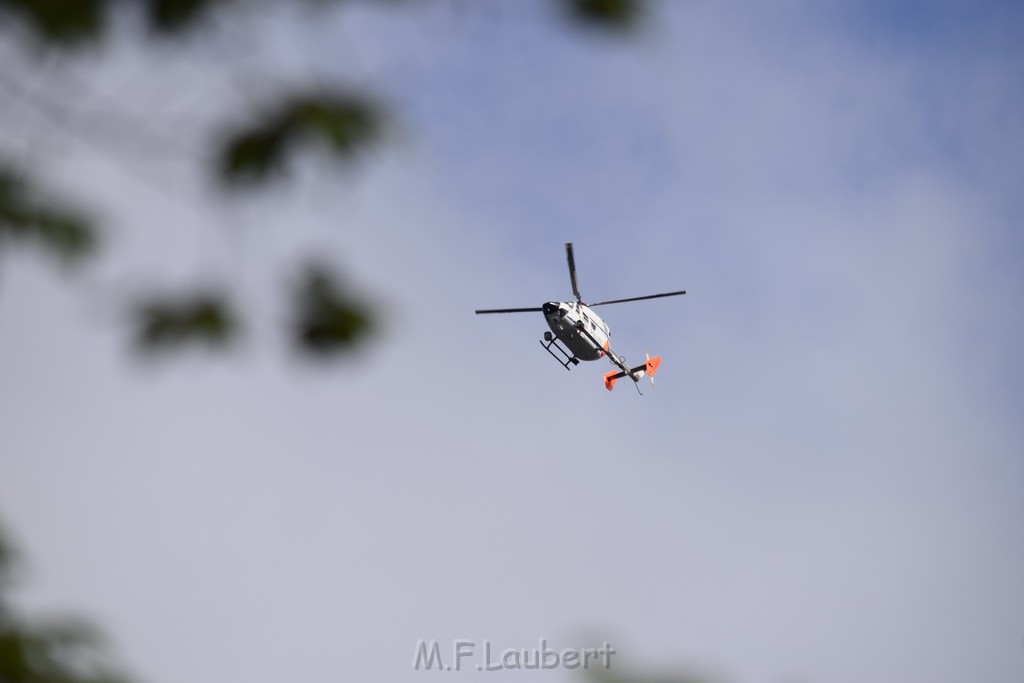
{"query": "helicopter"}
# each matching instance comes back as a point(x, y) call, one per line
point(577, 333)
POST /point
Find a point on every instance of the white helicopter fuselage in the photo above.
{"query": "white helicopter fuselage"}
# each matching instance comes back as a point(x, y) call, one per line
point(579, 328)
point(577, 333)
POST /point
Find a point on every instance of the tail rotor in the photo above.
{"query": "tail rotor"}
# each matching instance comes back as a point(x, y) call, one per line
point(651, 365)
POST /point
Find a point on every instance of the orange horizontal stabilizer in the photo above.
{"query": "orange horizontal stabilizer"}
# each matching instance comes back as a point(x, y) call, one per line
point(610, 379)
point(652, 365)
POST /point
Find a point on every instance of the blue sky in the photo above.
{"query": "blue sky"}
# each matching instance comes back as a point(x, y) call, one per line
point(825, 484)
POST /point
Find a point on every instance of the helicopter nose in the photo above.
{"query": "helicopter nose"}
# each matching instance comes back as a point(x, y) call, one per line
point(550, 308)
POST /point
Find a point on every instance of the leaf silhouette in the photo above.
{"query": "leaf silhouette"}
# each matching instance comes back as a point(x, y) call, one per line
point(58, 21)
point(200, 318)
point(613, 14)
point(341, 123)
point(328, 321)
point(26, 216)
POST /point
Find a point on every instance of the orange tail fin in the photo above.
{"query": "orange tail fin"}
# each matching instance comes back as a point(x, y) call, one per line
point(610, 379)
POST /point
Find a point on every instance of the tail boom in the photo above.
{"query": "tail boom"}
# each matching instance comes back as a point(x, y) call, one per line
point(649, 368)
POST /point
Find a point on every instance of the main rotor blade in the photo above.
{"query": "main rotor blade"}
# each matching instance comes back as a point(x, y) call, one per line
point(509, 310)
point(572, 270)
point(636, 298)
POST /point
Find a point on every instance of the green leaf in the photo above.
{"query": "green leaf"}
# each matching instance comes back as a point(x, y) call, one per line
point(255, 155)
point(342, 124)
point(61, 649)
point(613, 14)
point(201, 318)
point(25, 216)
point(172, 16)
point(345, 124)
point(328, 321)
point(65, 22)
point(14, 664)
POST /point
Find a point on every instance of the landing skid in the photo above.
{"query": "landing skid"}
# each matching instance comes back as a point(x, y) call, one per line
point(560, 353)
